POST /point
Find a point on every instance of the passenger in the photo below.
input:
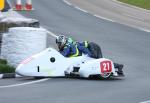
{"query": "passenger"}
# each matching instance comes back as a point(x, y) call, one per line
point(83, 48)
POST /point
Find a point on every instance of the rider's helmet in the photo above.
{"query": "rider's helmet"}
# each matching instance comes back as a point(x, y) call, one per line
point(61, 41)
point(70, 40)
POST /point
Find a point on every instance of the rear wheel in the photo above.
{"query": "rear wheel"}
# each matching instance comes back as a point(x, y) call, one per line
point(99, 76)
point(105, 75)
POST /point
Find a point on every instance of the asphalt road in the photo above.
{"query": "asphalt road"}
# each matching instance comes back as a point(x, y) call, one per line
point(120, 43)
point(116, 11)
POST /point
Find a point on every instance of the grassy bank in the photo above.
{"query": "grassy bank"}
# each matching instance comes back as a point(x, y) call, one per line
point(140, 3)
point(5, 68)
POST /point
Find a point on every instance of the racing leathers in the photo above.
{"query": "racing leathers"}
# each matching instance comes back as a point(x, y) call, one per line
point(70, 50)
point(74, 49)
point(83, 48)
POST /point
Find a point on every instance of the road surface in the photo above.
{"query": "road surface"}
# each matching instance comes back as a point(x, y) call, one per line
point(120, 43)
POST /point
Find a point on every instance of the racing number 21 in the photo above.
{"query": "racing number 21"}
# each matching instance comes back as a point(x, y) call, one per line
point(106, 66)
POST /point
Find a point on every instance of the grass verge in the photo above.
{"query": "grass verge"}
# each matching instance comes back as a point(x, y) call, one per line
point(140, 3)
point(5, 68)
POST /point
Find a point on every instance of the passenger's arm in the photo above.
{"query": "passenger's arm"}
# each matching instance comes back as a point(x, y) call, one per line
point(65, 52)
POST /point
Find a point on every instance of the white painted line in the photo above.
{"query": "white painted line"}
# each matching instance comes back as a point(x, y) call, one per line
point(146, 30)
point(145, 102)
point(131, 16)
point(48, 32)
point(98, 16)
point(67, 2)
point(1, 75)
point(81, 9)
point(52, 34)
point(103, 18)
point(18, 76)
point(135, 27)
point(22, 84)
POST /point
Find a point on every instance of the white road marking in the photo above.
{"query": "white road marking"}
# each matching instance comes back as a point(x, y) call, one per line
point(135, 27)
point(81, 9)
point(1, 75)
point(98, 16)
point(18, 76)
point(146, 30)
point(22, 84)
point(67, 2)
point(133, 17)
point(103, 18)
point(145, 102)
point(52, 34)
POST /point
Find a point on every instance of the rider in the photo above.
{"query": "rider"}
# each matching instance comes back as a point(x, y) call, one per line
point(82, 46)
point(67, 48)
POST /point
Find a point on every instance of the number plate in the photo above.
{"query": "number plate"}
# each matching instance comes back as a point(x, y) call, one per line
point(106, 67)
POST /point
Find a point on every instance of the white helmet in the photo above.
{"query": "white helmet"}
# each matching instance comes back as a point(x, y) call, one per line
point(61, 41)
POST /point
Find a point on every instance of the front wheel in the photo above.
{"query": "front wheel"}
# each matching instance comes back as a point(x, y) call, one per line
point(101, 76)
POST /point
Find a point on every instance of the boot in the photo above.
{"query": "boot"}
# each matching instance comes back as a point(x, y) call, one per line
point(120, 72)
point(75, 70)
point(119, 67)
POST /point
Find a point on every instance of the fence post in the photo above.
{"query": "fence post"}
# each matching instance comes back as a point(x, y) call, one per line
point(28, 5)
point(18, 5)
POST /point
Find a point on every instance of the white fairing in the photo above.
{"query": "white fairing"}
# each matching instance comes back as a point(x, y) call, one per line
point(46, 67)
point(93, 67)
point(41, 65)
